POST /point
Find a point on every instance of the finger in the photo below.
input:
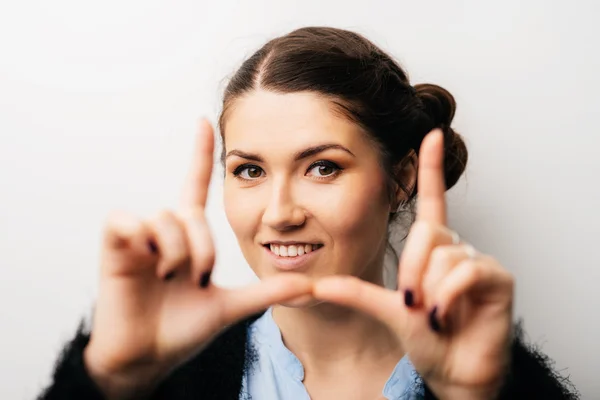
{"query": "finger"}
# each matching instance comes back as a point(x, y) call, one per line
point(441, 262)
point(171, 243)
point(481, 277)
point(240, 303)
point(126, 245)
point(431, 202)
point(195, 190)
point(380, 303)
point(422, 240)
point(201, 246)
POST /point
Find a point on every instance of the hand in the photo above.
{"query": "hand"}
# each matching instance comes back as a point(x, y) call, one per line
point(453, 311)
point(156, 307)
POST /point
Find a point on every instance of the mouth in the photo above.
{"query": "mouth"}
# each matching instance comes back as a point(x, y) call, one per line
point(292, 255)
point(291, 250)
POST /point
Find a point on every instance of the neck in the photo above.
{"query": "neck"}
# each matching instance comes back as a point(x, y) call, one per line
point(328, 337)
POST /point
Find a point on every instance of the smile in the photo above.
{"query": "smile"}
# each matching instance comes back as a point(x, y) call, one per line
point(291, 256)
point(293, 250)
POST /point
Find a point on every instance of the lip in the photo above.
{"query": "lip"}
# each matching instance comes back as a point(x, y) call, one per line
point(296, 263)
point(288, 243)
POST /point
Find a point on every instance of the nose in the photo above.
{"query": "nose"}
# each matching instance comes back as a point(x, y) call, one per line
point(282, 213)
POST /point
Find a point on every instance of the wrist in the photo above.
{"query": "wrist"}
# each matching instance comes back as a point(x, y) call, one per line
point(470, 394)
point(445, 392)
point(132, 382)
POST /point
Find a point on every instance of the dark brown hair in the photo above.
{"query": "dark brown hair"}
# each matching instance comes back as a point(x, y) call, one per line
point(364, 83)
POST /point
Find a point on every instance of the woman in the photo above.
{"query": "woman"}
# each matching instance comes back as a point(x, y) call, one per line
point(325, 143)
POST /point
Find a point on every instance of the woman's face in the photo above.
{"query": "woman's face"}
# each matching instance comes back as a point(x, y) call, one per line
point(304, 188)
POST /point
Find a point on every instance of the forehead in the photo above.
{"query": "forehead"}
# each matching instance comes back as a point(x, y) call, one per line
point(265, 120)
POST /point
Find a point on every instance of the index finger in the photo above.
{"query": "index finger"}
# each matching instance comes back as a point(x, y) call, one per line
point(431, 201)
point(195, 190)
point(350, 291)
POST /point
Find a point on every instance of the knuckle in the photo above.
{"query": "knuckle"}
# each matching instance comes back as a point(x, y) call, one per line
point(473, 271)
point(172, 260)
point(121, 227)
point(441, 255)
point(429, 284)
point(172, 236)
point(181, 257)
point(206, 258)
point(198, 238)
point(164, 216)
point(170, 228)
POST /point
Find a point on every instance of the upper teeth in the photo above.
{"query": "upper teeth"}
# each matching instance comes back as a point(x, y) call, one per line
point(292, 250)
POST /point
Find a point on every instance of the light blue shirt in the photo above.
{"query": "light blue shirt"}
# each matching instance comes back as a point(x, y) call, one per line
point(275, 373)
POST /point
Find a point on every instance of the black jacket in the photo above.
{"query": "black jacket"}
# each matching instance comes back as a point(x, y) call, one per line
point(216, 373)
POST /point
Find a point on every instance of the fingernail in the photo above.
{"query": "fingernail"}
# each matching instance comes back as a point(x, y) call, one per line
point(152, 246)
point(409, 298)
point(169, 276)
point(205, 280)
point(433, 320)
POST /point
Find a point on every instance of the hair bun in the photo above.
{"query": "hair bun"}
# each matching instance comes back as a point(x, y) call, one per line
point(440, 106)
point(438, 102)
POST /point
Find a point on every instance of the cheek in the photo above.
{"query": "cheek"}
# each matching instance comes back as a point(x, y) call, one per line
point(242, 214)
point(355, 214)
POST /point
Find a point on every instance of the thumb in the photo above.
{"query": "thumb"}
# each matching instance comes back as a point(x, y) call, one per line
point(240, 303)
point(382, 304)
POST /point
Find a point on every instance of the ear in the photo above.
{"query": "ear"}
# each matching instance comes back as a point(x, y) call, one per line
point(405, 172)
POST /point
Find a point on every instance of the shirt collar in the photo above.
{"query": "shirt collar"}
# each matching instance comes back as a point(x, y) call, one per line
point(269, 336)
point(402, 383)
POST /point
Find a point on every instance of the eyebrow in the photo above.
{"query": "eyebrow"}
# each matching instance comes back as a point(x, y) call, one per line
point(309, 152)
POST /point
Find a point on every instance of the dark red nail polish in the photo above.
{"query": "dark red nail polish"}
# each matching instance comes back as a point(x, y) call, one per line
point(205, 280)
point(152, 246)
point(169, 276)
point(434, 323)
point(409, 298)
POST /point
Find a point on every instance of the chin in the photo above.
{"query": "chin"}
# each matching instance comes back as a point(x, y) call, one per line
point(305, 301)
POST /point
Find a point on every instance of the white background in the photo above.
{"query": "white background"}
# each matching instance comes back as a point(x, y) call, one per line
point(98, 102)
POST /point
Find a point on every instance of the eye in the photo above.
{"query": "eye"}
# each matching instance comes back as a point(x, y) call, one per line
point(324, 169)
point(248, 172)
